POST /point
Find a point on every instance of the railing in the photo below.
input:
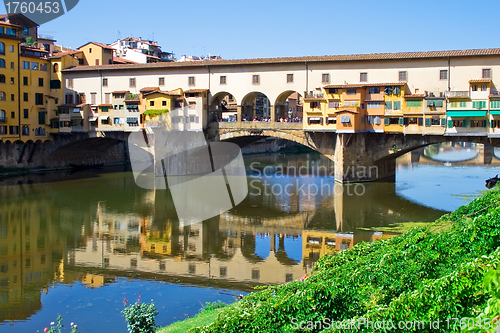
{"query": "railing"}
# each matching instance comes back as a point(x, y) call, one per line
point(313, 95)
point(457, 94)
point(256, 124)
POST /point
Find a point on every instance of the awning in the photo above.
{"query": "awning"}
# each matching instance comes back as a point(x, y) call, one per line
point(314, 118)
point(104, 117)
point(467, 113)
point(92, 118)
point(495, 112)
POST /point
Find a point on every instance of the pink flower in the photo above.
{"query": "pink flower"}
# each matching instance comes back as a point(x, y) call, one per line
point(52, 323)
point(45, 329)
point(74, 326)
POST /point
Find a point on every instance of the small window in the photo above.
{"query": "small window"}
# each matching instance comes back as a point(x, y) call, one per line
point(163, 103)
point(26, 30)
point(363, 77)
point(474, 88)
point(374, 90)
point(325, 78)
point(289, 78)
point(191, 81)
point(97, 62)
point(484, 88)
point(25, 81)
point(223, 79)
point(486, 73)
point(223, 271)
point(40, 82)
point(255, 274)
point(132, 82)
point(403, 76)
point(151, 103)
point(351, 92)
point(255, 79)
point(104, 82)
point(26, 114)
point(443, 74)
point(69, 83)
point(161, 81)
point(25, 97)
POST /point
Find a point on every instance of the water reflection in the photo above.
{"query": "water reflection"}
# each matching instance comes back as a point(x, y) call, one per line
point(96, 231)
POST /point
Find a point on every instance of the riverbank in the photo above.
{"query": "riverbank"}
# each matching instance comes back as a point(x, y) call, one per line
point(424, 275)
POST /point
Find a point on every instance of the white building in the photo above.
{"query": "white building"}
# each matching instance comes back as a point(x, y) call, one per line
point(140, 50)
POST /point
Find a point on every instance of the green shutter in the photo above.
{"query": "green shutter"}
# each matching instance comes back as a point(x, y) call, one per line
point(420, 121)
point(438, 103)
point(41, 118)
point(388, 105)
point(484, 123)
point(443, 122)
point(386, 121)
point(430, 103)
point(475, 105)
point(427, 122)
point(450, 123)
point(397, 105)
point(483, 104)
point(401, 121)
point(60, 124)
point(463, 104)
point(414, 103)
point(464, 123)
point(491, 123)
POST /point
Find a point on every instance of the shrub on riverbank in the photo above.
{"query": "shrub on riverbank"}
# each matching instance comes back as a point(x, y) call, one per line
point(427, 274)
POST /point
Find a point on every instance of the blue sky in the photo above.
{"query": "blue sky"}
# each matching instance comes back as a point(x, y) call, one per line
point(256, 29)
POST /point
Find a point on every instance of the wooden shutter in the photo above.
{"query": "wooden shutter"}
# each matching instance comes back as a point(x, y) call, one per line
point(387, 121)
point(427, 122)
point(388, 105)
point(464, 124)
point(439, 103)
point(401, 121)
point(450, 123)
point(484, 123)
point(443, 122)
point(397, 105)
point(420, 121)
point(406, 121)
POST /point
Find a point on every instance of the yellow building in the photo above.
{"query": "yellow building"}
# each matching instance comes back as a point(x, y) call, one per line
point(394, 105)
point(95, 54)
point(158, 103)
point(315, 111)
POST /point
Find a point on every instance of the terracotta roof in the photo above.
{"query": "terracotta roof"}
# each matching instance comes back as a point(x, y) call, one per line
point(148, 89)
point(350, 111)
point(123, 61)
point(120, 92)
point(134, 100)
point(195, 90)
point(105, 105)
point(169, 93)
point(306, 59)
point(98, 44)
point(63, 53)
point(479, 80)
point(362, 85)
point(414, 96)
point(6, 23)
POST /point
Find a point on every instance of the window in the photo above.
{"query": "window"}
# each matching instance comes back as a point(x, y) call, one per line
point(26, 114)
point(345, 119)
point(25, 30)
point(486, 73)
point(69, 83)
point(333, 104)
point(40, 82)
point(11, 64)
point(41, 118)
point(388, 105)
point(93, 98)
point(374, 90)
point(25, 97)
point(13, 115)
point(443, 74)
point(191, 81)
point(2, 96)
point(2, 78)
point(325, 78)
point(255, 79)
point(289, 78)
point(397, 105)
point(403, 76)
point(43, 67)
point(373, 105)
point(333, 90)
point(131, 82)
point(3, 116)
point(223, 79)
point(26, 131)
point(25, 80)
point(414, 103)
point(163, 103)
point(97, 62)
point(484, 88)
point(38, 99)
point(478, 123)
point(223, 271)
point(351, 92)
point(2, 48)
point(495, 104)
point(479, 104)
point(363, 77)
point(161, 81)
point(107, 98)
point(255, 274)
point(2, 63)
point(105, 82)
point(69, 99)
point(12, 97)
point(151, 103)
point(26, 65)
point(11, 80)
point(474, 88)
point(13, 129)
point(34, 66)
point(12, 48)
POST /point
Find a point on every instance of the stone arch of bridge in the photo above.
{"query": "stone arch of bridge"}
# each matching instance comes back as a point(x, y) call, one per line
point(284, 109)
point(255, 105)
point(221, 105)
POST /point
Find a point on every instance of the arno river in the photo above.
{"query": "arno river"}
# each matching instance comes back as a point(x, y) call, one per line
point(78, 244)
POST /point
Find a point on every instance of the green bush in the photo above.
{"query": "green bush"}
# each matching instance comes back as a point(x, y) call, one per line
point(140, 317)
point(424, 275)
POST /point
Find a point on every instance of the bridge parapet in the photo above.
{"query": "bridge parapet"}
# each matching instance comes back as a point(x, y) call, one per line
point(257, 125)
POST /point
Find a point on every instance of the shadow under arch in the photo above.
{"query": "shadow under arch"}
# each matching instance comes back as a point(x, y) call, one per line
point(254, 105)
point(288, 104)
point(248, 248)
point(220, 105)
point(281, 254)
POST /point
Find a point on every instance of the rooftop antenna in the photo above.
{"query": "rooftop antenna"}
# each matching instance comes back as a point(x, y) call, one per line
point(119, 35)
point(153, 36)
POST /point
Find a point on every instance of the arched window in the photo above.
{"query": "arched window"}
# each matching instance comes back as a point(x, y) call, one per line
point(2, 48)
point(3, 96)
point(2, 78)
point(2, 63)
point(56, 68)
point(3, 117)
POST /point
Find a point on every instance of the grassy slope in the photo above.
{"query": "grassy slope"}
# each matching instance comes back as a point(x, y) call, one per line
point(425, 274)
point(200, 320)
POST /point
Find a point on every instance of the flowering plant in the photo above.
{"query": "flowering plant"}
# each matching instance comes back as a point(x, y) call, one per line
point(56, 328)
point(140, 317)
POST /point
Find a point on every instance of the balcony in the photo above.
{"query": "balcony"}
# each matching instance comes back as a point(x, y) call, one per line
point(313, 95)
point(458, 94)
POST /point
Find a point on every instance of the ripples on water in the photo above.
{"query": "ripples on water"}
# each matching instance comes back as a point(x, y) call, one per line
point(78, 244)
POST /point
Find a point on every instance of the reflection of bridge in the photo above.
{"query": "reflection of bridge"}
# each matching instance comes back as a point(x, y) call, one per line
point(483, 155)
